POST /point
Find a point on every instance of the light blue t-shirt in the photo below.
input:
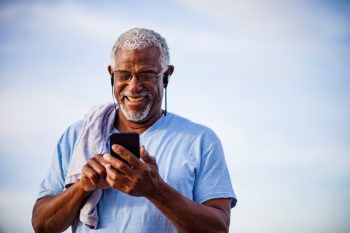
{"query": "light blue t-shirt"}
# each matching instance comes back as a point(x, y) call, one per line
point(189, 157)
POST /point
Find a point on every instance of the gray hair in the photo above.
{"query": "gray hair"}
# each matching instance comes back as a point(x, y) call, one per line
point(141, 38)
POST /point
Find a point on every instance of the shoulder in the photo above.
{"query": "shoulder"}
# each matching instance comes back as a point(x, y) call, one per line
point(185, 126)
point(71, 134)
point(65, 145)
point(198, 137)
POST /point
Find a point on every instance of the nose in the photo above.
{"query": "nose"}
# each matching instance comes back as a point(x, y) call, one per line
point(134, 85)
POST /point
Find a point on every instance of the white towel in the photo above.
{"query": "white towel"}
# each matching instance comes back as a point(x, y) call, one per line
point(92, 140)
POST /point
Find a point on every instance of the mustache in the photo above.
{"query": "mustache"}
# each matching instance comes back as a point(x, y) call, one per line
point(136, 95)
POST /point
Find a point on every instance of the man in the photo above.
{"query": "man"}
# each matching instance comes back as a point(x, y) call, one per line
point(183, 187)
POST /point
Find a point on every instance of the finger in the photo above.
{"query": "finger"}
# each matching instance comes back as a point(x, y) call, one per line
point(118, 164)
point(90, 174)
point(126, 154)
point(101, 160)
point(98, 167)
point(112, 173)
point(114, 179)
point(146, 157)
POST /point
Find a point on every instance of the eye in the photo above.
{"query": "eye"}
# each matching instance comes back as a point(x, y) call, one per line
point(123, 75)
point(144, 75)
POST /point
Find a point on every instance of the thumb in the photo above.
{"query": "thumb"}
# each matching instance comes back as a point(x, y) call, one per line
point(146, 157)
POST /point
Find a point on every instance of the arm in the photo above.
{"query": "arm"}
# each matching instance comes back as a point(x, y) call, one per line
point(141, 178)
point(188, 216)
point(57, 213)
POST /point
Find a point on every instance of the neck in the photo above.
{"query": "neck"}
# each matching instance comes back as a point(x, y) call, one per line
point(124, 125)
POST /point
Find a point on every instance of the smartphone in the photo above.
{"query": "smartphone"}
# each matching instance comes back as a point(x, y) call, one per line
point(131, 142)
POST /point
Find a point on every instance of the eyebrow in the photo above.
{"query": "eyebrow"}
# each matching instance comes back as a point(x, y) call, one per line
point(142, 71)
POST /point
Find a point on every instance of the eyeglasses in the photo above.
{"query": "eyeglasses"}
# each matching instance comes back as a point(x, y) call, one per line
point(146, 77)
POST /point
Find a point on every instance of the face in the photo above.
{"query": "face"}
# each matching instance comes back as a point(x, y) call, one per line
point(139, 101)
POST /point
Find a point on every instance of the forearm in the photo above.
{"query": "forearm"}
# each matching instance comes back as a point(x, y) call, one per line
point(189, 216)
point(57, 213)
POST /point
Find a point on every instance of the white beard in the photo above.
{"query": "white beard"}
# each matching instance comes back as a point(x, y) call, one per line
point(136, 116)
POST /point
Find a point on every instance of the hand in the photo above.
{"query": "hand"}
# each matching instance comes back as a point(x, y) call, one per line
point(93, 175)
point(137, 177)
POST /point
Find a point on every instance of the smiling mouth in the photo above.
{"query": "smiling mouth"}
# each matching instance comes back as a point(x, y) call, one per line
point(134, 98)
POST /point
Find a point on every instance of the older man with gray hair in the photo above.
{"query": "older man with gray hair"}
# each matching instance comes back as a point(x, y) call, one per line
point(180, 183)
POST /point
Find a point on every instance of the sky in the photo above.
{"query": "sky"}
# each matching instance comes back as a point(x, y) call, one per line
point(271, 78)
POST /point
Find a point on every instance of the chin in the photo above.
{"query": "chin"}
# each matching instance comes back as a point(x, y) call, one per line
point(135, 116)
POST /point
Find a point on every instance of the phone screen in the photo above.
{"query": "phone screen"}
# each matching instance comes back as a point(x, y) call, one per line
point(131, 142)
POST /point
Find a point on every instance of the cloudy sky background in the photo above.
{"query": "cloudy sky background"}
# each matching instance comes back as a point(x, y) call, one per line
point(272, 79)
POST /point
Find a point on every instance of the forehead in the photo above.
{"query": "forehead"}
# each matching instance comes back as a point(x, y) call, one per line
point(149, 57)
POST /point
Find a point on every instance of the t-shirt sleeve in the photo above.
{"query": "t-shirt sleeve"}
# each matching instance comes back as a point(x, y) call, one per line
point(53, 182)
point(212, 178)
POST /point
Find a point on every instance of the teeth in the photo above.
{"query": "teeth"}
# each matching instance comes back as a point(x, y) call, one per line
point(135, 99)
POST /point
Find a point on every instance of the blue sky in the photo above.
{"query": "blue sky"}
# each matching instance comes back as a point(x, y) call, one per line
point(271, 78)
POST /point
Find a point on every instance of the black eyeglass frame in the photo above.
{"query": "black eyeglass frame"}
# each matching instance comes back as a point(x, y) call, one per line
point(147, 78)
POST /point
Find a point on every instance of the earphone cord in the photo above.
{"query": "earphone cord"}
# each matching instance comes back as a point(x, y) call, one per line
point(115, 106)
point(165, 103)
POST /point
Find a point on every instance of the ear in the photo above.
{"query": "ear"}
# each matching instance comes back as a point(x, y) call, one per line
point(167, 75)
point(170, 70)
point(109, 68)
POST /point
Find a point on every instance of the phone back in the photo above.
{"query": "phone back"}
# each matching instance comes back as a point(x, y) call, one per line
point(131, 141)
